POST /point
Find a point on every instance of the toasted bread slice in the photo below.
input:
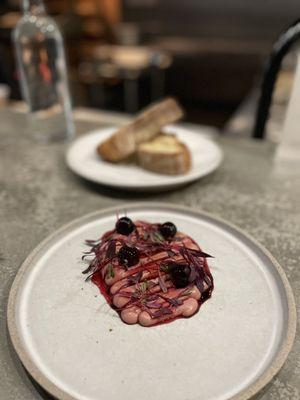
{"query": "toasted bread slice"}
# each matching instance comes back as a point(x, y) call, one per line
point(119, 146)
point(164, 154)
point(146, 126)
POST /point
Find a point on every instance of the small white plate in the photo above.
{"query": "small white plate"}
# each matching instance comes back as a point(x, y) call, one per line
point(83, 159)
point(77, 348)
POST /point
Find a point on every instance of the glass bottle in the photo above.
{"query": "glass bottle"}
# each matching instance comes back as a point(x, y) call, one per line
point(43, 76)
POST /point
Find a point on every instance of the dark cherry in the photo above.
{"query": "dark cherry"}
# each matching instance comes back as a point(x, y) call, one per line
point(128, 256)
point(168, 230)
point(125, 226)
point(180, 274)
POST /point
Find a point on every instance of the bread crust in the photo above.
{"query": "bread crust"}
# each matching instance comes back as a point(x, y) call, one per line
point(175, 163)
point(117, 147)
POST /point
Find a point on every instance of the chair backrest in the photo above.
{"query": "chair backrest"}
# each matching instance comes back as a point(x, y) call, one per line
point(273, 65)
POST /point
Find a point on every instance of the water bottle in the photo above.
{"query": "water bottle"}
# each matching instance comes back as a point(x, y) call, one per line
point(43, 76)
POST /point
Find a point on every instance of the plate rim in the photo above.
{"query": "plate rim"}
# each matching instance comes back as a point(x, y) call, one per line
point(27, 265)
point(147, 187)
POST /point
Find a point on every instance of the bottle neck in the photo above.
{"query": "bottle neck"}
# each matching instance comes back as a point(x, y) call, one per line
point(34, 7)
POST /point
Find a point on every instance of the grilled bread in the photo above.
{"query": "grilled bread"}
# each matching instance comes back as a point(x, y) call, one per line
point(164, 154)
point(145, 127)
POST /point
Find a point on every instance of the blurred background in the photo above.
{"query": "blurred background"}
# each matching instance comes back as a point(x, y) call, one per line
point(122, 54)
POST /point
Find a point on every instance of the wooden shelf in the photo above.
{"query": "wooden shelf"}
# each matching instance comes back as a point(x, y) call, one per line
point(108, 9)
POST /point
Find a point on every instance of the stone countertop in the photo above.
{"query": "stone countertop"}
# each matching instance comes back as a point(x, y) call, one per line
point(38, 194)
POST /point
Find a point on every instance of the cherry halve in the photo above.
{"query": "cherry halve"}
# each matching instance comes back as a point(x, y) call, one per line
point(168, 230)
point(180, 274)
point(125, 226)
point(128, 256)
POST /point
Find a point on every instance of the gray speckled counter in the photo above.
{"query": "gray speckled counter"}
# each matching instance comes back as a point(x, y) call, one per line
point(38, 194)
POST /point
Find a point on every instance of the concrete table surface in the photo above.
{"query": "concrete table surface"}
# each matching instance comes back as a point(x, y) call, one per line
point(38, 194)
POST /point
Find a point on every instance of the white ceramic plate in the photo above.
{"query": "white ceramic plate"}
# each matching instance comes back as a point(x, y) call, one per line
point(76, 347)
point(82, 159)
